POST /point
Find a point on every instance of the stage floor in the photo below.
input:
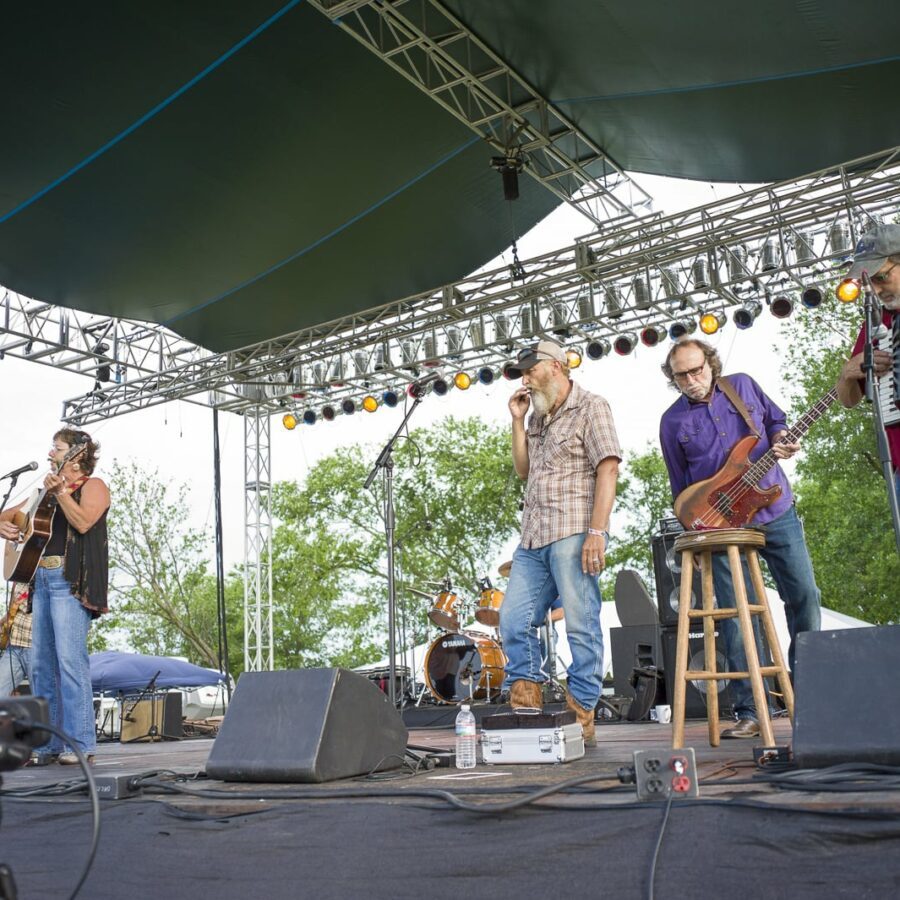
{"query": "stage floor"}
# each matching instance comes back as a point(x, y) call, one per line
point(387, 838)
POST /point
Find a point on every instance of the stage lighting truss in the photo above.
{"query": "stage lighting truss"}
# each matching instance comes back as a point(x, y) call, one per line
point(662, 271)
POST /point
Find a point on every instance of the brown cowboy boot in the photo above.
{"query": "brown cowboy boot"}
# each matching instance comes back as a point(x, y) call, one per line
point(525, 694)
point(585, 718)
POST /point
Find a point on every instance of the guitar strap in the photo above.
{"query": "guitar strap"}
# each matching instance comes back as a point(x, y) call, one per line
point(729, 391)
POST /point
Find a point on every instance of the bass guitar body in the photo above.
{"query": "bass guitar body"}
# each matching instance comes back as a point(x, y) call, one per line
point(35, 523)
point(726, 499)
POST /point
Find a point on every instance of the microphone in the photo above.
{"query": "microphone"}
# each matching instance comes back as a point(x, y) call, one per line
point(28, 467)
point(417, 388)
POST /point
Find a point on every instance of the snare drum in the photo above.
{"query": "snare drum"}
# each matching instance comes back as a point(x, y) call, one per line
point(488, 612)
point(445, 612)
point(463, 666)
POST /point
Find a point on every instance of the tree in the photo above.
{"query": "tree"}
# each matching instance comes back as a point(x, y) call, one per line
point(162, 594)
point(456, 500)
point(841, 494)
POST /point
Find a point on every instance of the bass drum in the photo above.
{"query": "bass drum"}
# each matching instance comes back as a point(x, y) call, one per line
point(463, 666)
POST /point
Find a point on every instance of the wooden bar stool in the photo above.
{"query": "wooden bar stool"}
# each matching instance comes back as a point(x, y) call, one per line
point(734, 541)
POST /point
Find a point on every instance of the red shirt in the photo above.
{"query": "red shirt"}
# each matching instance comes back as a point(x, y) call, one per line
point(892, 431)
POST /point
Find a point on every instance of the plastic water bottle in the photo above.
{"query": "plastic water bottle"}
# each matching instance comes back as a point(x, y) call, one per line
point(466, 738)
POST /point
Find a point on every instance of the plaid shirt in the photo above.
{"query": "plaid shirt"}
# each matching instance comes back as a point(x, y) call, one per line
point(20, 632)
point(563, 455)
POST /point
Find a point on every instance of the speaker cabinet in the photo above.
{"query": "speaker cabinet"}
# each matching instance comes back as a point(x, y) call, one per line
point(667, 571)
point(306, 725)
point(153, 718)
point(845, 697)
point(633, 646)
point(696, 693)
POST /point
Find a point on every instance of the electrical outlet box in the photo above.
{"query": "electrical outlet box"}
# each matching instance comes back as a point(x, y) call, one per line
point(660, 774)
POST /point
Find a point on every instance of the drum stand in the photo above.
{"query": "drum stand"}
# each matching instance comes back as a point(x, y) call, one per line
point(553, 686)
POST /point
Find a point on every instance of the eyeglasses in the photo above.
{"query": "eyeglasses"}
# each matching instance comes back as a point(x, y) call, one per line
point(882, 277)
point(689, 373)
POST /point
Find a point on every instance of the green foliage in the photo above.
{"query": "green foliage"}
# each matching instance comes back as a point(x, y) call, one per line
point(841, 493)
point(456, 499)
point(161, 592)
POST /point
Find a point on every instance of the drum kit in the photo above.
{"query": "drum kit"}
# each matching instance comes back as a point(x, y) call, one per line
point(461, 663)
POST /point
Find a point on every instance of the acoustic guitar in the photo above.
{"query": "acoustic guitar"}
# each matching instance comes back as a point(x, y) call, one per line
point(35, 523)
point(731, 497)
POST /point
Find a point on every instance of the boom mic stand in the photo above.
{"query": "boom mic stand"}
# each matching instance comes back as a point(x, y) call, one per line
point(872, 322)
point(385, 463)
point(152, 729)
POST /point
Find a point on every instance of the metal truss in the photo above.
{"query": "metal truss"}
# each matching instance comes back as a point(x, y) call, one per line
point(258, 641)
point(435, 51)
point(657, 271)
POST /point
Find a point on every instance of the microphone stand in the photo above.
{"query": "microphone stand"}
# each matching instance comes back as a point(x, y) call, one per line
point(12, 485)
point(872, 322)
point(385, 463)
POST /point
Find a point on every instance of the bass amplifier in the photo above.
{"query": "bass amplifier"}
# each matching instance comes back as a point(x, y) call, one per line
point(696, 693)
point(156, 717)
point(668, 574)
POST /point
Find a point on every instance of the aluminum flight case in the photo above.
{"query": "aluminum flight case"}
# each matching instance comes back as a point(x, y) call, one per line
point(531, 738)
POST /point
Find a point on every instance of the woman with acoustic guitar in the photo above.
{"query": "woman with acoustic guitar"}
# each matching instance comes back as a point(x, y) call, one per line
point(69, 587)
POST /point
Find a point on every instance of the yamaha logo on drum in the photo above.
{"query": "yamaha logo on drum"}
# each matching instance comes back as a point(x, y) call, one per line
point(455, 642)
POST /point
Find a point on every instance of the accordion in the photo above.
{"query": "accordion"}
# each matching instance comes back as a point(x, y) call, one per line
point(888, 385)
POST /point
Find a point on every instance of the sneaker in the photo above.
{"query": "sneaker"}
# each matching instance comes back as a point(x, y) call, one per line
point(70, 759)
point(42, 759)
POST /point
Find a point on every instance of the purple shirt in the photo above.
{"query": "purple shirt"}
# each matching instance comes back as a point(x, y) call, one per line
point(696, 439)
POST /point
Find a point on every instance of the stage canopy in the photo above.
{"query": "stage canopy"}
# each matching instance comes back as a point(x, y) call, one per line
point(237, 171)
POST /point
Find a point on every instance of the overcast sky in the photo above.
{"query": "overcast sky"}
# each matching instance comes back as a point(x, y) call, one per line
point(176, 438)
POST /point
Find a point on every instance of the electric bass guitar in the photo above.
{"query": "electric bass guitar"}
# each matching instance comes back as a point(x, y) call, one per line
point(35, 523)
point(731, 497)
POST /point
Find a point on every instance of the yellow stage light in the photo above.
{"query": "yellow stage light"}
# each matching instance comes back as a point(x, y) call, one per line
point(462, 380)
point(573, 358)
point(710, 323)
point(289, 421)
point(369, 404)
point(847, 291)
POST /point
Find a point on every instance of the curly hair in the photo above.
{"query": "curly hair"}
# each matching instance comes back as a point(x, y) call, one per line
point(710, 352)
point(88, 459)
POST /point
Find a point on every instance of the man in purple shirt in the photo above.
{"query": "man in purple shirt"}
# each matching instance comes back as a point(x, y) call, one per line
point(696, 433)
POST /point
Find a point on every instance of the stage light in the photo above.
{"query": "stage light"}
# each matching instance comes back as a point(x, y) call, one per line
point(642, 299)
point(586, 311)
point(771, 255)
point(681, 328)
point(309, 417)
point(573, 357)
point(390, 398)
point(736, 259)
point(614, 301)
point(625, 343)
point(803, 247)
point(847, 291)
point(487, 375)
point(560, 318)
point(652, 335)
point(441, 386)
point(370, 404)
point(745, 315)
point(348, 407)
point(839, 237)
point(289, 420)
point(700, 273)
point(812, 296)
point(328, 413)
point(598, 349)
point(462, 380)
point(710, 322)
point(781, 306)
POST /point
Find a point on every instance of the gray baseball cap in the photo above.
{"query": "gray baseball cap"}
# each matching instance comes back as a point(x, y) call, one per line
point(531, 356)
point(874, 248)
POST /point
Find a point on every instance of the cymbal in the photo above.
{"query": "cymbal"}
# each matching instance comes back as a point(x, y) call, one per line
point(419, 593)
point(506, 568)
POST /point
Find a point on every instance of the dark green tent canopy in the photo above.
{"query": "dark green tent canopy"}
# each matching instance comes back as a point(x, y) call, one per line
point(239, 170)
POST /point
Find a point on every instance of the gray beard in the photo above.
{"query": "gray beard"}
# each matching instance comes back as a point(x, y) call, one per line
point(543, 400)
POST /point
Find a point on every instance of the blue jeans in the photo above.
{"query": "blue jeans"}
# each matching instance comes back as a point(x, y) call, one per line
point(538, 577)
point(788, 560)
point(60, 667)
point(15, 667)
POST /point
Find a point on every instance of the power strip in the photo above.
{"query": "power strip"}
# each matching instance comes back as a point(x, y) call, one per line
point(660, 774)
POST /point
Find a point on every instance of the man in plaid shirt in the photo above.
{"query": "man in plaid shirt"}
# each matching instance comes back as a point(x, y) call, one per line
point(570, 454)
point(15, 660)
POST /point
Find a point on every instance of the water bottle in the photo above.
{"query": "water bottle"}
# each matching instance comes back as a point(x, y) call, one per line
point(466, 738)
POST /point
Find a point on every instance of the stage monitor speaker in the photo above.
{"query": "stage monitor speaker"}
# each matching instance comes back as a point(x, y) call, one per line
point(306, 725)
point(156, 717)
point(846, 707)
point(667, 571)
point(633, 646)
point(695, 696)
